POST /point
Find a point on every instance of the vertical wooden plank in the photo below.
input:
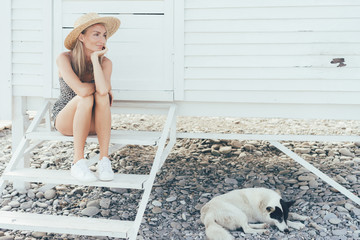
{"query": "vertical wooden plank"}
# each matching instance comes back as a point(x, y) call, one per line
point(179, 27)
point(19, 122)
point(5, 60)
point(47, 47)
point(168, 34)
point(57, 39)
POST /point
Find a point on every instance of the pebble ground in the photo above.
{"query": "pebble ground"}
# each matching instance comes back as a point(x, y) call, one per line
point(196, 171)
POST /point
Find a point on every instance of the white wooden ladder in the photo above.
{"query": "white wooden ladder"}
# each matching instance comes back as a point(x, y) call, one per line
point(18, 171)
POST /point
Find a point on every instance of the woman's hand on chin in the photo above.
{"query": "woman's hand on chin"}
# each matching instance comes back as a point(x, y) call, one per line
point(95, 55)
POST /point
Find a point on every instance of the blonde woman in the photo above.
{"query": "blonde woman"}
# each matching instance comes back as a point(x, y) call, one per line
point(83, 106)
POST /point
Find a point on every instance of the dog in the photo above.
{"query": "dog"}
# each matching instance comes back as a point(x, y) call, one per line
point(252, 209)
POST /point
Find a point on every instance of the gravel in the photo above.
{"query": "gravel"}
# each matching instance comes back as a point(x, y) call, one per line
point(196, 171)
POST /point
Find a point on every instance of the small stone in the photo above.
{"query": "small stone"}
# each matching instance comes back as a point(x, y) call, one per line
point(38, 234)
point(329, 216)
point(249, 147)
point(26, 205)
point(156, 210)
point(39, 195)
point(105, 203)
point(9, 237)
point(171, 199)
point(14, 204)
point(31, 194)
point(90, 211)
point(339, 232)
point(225, 149)
point(156, 203)
point(231, 181)
point(42, 205)
point(356, 211)
point(313, 184)
point(93, 203)
point(215, 152)
point(236, 144)
point(302, 150)
point(351, 178)
point(306, 178)
point(242, 155)
point(50, 194)
point(334, 221)
point(105, 213)
point(349, 206)
point(342, 209)
point(6, 208)
point(346, 152)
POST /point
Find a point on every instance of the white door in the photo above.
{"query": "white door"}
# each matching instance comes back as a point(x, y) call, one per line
point(141, 51)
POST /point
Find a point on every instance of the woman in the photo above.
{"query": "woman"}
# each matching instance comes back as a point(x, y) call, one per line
point(83, 107)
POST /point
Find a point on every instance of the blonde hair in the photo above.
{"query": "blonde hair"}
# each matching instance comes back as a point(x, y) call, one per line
point(78, 60)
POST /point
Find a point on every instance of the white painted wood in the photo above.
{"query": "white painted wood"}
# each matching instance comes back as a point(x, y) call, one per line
point(265, 4)
point(5, 61)
point(141, 50)
point(271, 25)
point(130, 181)
point(269, 137)
point(65, 224)
point(273, 74)
point(47, 56)
point(317, 172)
point(259, 13)
point(269, 110)
point(122, 6)
point(39, 116)
point(296, 97)
point(274, 85)
point(118, 137)
point(158, 161)
point(278, 37)
point(179, 48)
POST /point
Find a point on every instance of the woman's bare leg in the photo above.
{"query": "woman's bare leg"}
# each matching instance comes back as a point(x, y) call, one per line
point(74, 120)
point(103, 122)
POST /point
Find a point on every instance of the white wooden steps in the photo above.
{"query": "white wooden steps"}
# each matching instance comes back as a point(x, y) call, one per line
point(65, 224)
point(18, 171)
point(129, 181)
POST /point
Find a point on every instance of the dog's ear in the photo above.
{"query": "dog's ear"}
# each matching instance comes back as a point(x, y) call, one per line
point(285, 206)
point(270, 209)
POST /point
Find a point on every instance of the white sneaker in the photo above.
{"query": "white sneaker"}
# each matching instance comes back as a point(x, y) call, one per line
point(104, 170)
point(81, 172)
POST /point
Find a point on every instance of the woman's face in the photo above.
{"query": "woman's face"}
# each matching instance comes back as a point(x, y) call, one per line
point(94, 38)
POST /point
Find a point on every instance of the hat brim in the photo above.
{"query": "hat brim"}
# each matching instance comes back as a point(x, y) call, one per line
point(112, 24)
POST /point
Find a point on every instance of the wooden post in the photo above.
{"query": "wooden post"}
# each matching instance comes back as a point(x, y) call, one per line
point(20, 122)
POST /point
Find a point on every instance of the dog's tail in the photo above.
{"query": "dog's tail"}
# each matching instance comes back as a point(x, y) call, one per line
point(213, 230)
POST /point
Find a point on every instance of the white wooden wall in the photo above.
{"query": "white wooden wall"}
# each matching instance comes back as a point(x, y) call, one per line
point(248, 58)
point(272, 56)
point(141, 50)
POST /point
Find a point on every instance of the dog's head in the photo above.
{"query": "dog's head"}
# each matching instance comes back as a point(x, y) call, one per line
point(277, 214)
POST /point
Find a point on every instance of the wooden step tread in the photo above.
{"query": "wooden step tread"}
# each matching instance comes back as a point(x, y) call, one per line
point(120, 137)
point(64, 224)
point(130, 181)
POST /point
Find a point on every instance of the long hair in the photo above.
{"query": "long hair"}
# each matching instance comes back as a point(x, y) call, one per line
point(78, 60)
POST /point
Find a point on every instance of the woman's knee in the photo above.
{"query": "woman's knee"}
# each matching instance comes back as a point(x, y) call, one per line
point(102, 99)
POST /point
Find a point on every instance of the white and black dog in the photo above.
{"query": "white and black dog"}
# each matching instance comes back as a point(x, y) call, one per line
point(252, 209)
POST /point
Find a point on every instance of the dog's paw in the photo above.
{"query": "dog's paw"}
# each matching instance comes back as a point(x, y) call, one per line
point(266, 225)
point(267, 232)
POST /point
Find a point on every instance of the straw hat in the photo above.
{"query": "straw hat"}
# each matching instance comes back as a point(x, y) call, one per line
point(111, 24)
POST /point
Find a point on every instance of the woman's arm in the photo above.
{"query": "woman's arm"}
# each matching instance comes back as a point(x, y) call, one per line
point(66, 72)
point(102, 73)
